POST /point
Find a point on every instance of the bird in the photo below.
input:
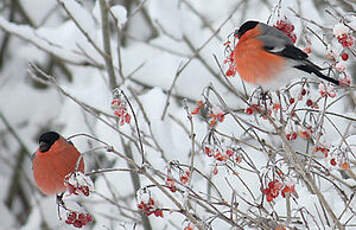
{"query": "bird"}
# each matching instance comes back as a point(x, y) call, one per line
point(267, 57)
point(54, 159)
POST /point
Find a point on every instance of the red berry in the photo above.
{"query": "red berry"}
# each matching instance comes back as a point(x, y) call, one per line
point(304, 92)
point(89, 218)
point(173, 188)
point(184, 179)
point(215, 171)
point(69, 221)
point(84, 189)
point(344, 56)
point(309, 102)
point(127, 118)
point(294, 135)
point(230, 72)
point(293, 37)
point(288, 136)
point(72, 215)
point(158, 213)
point(291, 101)
point(83, 218)
point(333, 162)
point(288, 28)
point(77, 223)
point(207, 151)
point(249, 111)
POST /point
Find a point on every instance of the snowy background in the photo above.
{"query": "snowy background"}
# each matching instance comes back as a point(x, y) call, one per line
point(160, 49)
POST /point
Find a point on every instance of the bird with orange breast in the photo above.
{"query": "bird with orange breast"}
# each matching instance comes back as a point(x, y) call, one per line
point(267, 57)
point(53, 161)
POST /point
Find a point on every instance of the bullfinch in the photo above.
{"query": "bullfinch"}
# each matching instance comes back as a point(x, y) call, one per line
point(54, 159)
point(267, 57)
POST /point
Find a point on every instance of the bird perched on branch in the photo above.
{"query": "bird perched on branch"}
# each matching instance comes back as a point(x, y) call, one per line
point(267, 57)
point(53, 161)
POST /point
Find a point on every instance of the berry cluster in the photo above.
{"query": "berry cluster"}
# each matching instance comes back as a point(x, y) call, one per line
point(252, 109)
point(255, 108)
point(171, 184)
point(77, 183)
point(286, 27)
point(323, 150)
point(306, 133)
point(231, 71)
point(221, 155)
point(341, 162)
point(184, 178)
point(275, 187)
point(287, 189)
point(77, 190)
point(326, 91)
point(215, 118)
point(345, 40)
point(78, 220)
point(291, 136)
point(120, 110)
point(150, 208)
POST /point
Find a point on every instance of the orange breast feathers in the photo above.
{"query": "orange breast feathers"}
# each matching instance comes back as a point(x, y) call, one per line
point(254, 64)
point(51, 167)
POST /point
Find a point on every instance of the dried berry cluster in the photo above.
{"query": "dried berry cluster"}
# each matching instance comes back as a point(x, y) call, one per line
point(120, 110)
point(150, 208)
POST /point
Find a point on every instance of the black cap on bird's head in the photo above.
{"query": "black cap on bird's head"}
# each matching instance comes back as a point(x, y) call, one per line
point(245, 27)
point(46, 140)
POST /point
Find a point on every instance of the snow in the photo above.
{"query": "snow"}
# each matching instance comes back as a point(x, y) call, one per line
point(28, 34)
point(120, 14)
point(31, 110)
point(340, 29)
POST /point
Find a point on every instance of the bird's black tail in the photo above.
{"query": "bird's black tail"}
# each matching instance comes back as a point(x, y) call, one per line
point(311, 68)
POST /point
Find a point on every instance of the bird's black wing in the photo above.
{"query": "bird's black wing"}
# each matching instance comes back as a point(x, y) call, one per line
point(289, 51)
point(282, 48)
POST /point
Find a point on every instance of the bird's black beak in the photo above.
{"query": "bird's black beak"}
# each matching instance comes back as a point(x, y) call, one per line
point(43, 147)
